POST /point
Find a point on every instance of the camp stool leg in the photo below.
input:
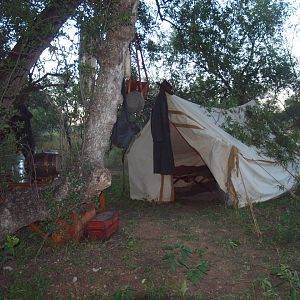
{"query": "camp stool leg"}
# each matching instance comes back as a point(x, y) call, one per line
point(101, 201)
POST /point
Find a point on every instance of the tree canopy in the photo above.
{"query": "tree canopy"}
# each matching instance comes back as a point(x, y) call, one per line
point(226, 52)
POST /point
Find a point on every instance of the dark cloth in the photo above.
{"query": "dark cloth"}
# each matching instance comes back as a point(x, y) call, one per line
point(163, 160)
point(21, 125)
point(123, 130)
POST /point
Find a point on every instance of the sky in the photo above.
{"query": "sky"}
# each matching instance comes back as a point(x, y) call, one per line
point(292, 34)
point(292, 31)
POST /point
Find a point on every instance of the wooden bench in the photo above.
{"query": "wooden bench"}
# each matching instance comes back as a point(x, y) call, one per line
point(195, 174)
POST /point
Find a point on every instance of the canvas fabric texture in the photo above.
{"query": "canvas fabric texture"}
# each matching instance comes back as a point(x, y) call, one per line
point(240, 171)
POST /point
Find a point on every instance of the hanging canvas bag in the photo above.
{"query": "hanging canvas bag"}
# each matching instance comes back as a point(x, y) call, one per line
point(123, 130)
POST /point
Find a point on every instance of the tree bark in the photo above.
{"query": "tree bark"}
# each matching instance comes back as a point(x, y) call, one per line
point(15, 68)
point(20, 209)
point(107, 96)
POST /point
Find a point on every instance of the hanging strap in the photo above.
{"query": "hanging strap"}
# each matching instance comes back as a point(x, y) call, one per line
point(138, 48)
point(142, 87)
point(123, 171)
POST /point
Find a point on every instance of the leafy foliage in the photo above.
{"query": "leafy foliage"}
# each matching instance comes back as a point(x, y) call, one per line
point(230, 51)
point(266, 130)
point(182, 255)
point(287, 277)
point(268, 288)
point(195, 274)
point(15, 20)
point(293, 109)
point(291, 277)
point(7, 250)
point(233, 243)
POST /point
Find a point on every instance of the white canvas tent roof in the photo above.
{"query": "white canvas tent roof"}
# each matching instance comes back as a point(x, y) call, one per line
point(198, 140)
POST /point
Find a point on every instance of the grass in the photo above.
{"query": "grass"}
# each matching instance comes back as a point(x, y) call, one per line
point(131, 264)
point(154, 292)
point(33, 288)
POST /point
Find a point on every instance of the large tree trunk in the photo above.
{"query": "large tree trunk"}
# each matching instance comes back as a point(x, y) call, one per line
point(20, 209)
point(15, 68)
point(102, 115)
point(103, 108)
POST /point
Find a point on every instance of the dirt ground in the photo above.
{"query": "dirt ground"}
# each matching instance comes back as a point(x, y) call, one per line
point(132, 264)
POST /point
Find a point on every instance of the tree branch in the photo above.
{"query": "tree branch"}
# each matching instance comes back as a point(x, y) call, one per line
point(49, 74)
point(15, 68)
point(162, 18)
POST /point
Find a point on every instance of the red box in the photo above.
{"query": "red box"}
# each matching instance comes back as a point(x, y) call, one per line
point(103, 225)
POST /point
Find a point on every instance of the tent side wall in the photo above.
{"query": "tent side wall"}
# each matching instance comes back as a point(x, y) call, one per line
point(254, 178)
point(144, 184)
point(260, 180)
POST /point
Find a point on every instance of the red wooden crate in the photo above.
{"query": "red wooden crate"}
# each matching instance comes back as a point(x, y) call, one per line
point(103, 225)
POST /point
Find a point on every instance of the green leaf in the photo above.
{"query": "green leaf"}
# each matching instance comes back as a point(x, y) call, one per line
point(172, 247)
point(183, 263)
point(265, 284)
point(293, 294)
point(171, 259)
point(168, 248)
point(183, 288)
point(185, 252)
point(234, 243)
point(196, 274)
point(12, 240)
point(199, 252)
point(124, 293)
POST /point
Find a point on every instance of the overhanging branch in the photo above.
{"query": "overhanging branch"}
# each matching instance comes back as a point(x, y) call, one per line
point(15, 68)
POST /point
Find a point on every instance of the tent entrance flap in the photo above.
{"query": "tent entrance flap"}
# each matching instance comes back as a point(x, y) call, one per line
point(191, 173)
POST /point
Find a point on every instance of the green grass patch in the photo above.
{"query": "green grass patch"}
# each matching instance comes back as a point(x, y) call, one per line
point(34, 287)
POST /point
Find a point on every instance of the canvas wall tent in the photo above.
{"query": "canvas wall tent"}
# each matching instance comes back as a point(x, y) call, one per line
point(197, 140)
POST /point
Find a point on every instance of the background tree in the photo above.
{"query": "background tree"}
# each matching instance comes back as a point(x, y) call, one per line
point(226, 52)
point(31, 28)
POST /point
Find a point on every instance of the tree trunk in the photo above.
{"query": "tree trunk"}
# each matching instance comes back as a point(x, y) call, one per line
point(15, 68)
point(103, 108)
point(20, 209)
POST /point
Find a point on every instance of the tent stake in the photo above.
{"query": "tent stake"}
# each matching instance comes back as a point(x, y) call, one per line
point(293, 195)
point(258, 232)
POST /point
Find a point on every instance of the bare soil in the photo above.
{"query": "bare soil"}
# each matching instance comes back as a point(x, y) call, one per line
point(132, 259)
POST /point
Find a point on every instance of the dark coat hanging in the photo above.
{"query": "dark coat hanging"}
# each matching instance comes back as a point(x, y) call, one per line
point(163, 160)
